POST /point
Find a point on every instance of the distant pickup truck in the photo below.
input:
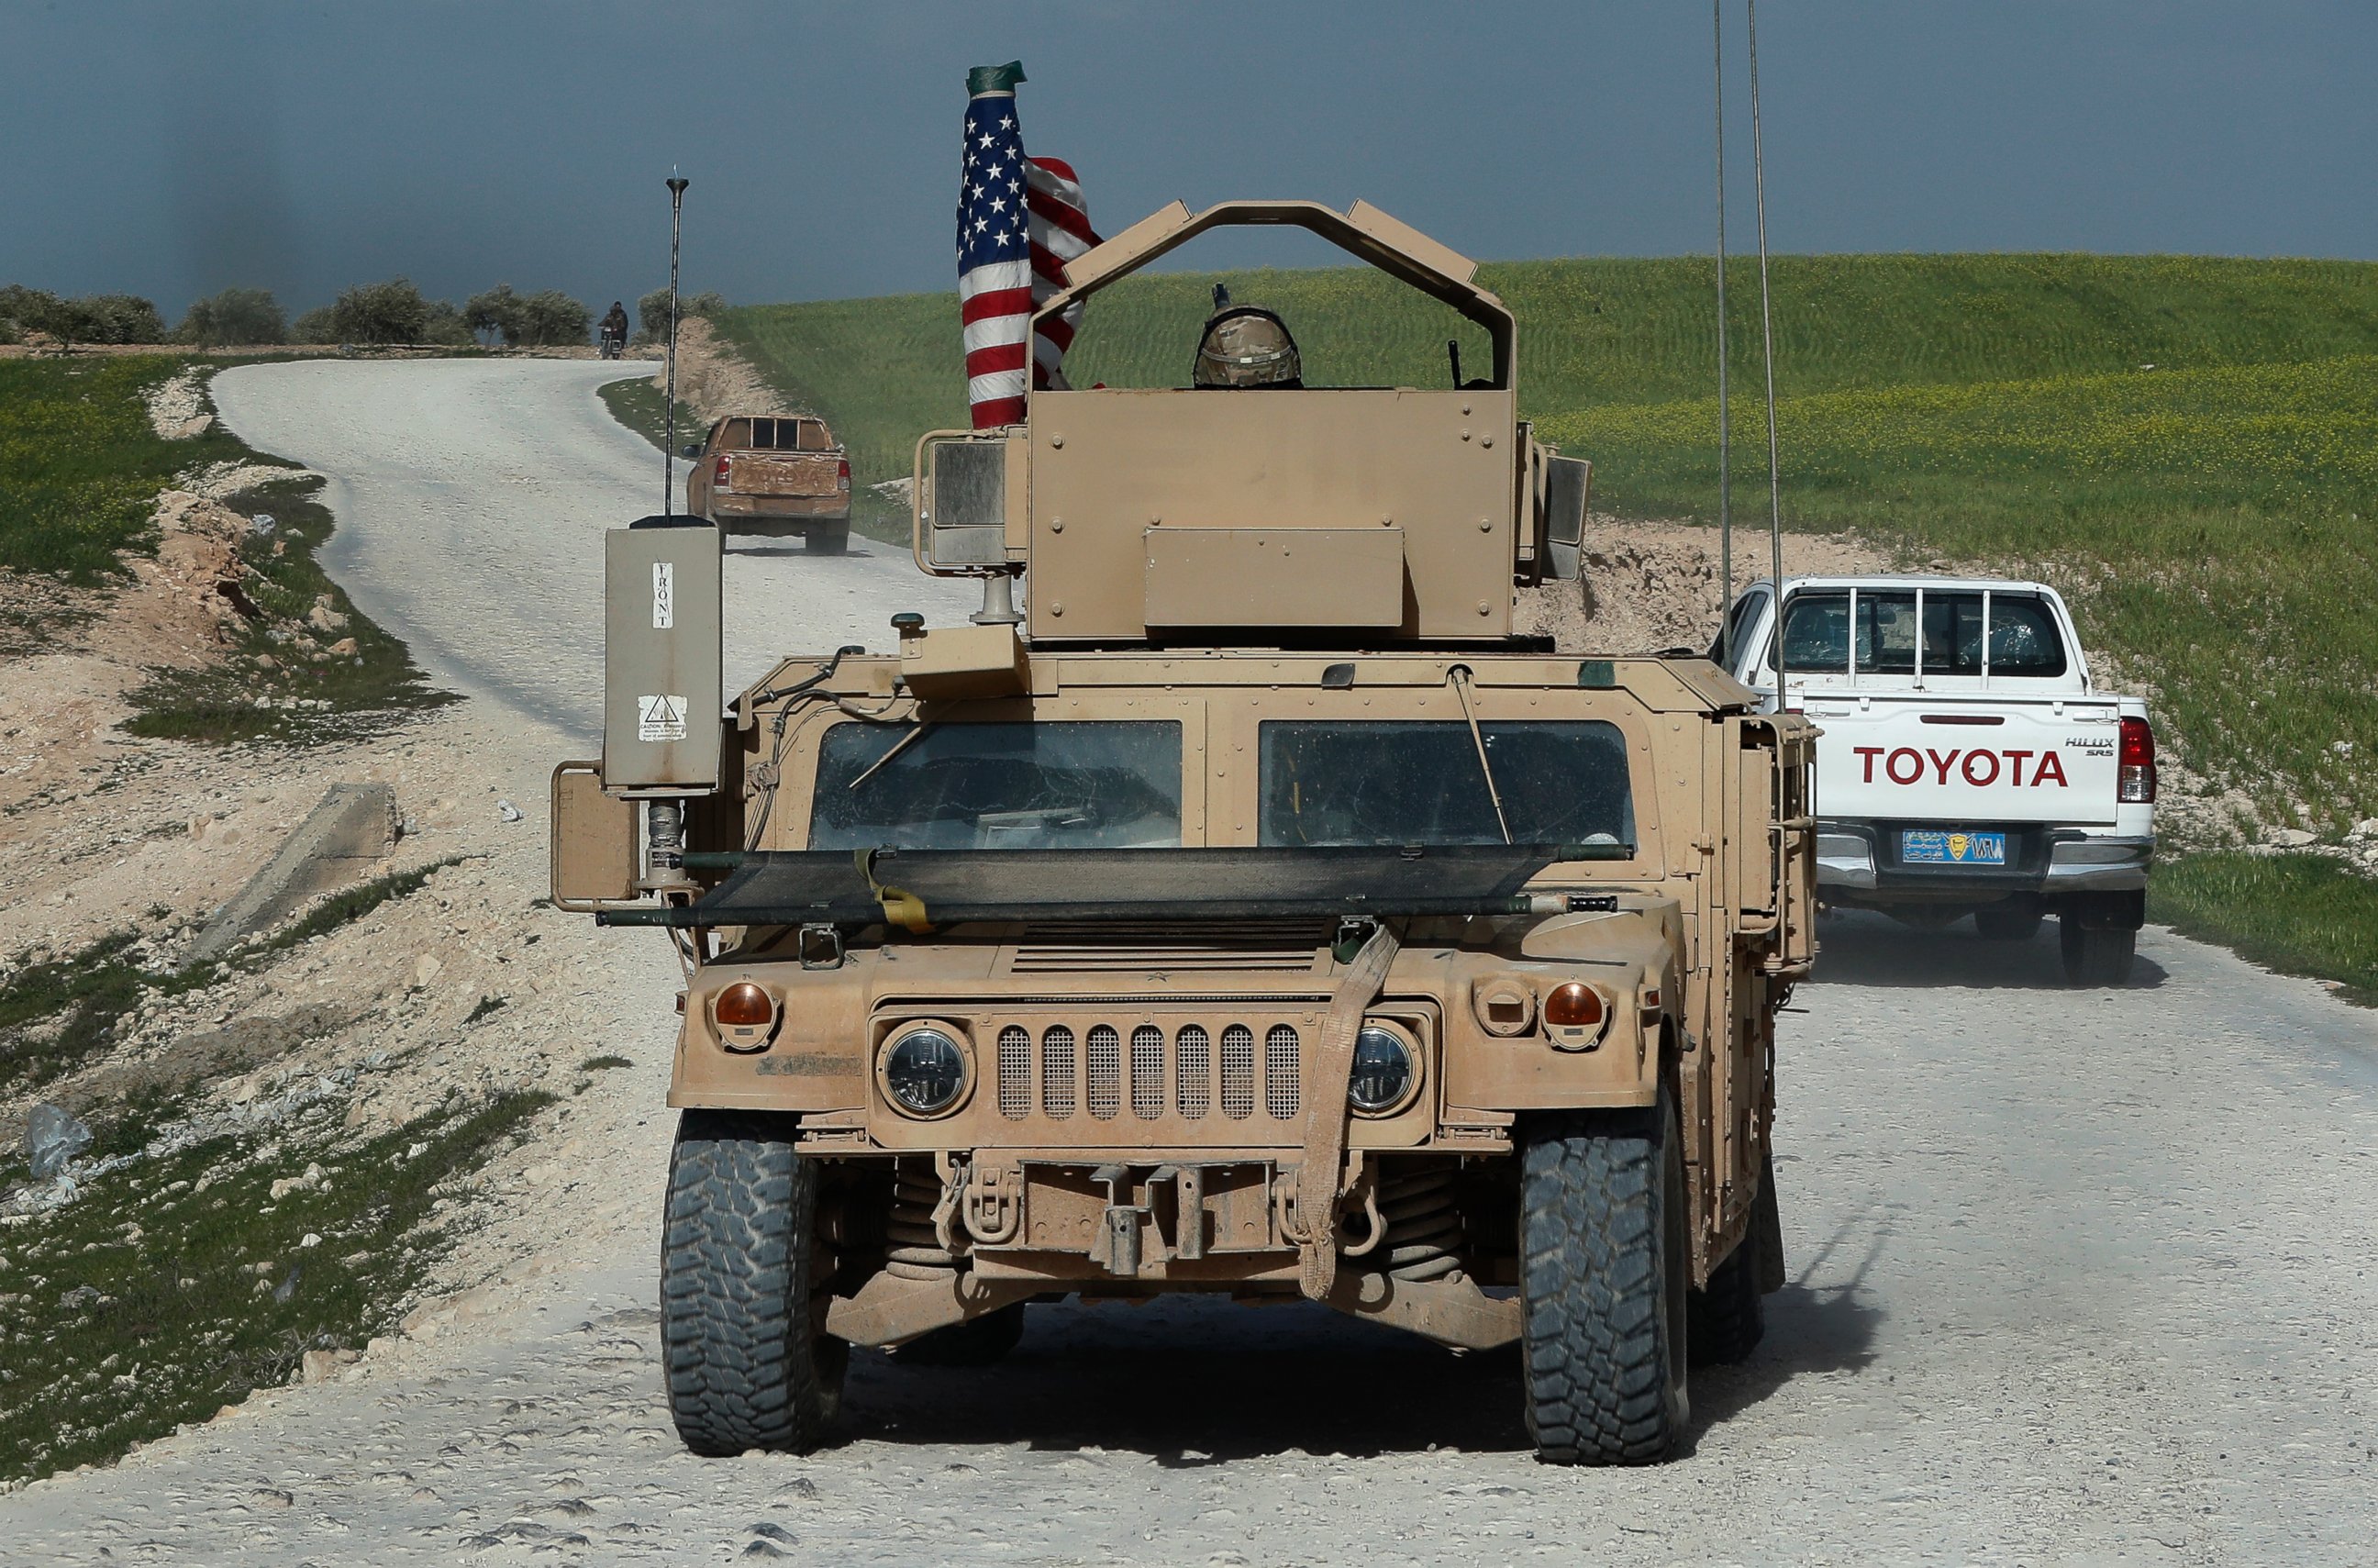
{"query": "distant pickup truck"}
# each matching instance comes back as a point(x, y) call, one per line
point(779, 476)
point(1967, 765)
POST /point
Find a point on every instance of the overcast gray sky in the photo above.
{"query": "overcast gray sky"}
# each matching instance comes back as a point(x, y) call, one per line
point(172, 148)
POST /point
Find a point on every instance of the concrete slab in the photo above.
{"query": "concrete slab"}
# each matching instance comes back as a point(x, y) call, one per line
point(341, 839)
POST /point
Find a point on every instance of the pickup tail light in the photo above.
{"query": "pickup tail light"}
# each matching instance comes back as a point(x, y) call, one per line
point(722, 474)
point(844, 477)
point(2138, 763)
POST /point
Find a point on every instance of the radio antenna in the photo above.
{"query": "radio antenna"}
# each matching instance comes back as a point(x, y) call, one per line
point(1767, 333)
point(677, 184)
point(1724, 422)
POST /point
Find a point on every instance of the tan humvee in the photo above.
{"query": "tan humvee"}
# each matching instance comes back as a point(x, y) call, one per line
point(1253, 914)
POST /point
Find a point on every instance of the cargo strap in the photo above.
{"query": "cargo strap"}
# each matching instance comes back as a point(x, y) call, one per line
point(1326, 1075)
point(902, 908)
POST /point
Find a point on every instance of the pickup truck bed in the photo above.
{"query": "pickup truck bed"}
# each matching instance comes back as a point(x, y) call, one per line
point(778, 476)
point(1966, 763)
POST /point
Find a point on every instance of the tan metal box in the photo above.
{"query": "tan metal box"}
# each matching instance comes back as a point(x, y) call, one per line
point(964, 661)
point(1275, 576)
point(661, 682)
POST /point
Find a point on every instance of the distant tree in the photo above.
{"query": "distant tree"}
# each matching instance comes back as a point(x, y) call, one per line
point(389, 312)
point(26, 310)
point(318, 325)
point(445, 328)
point(550, 318)
point(495, 316)
point(652, 311)
point(121, 318)
point(234, 316)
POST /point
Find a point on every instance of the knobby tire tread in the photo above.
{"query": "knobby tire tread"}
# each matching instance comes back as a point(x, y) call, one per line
point(746, 1366)
point(1603, 1380)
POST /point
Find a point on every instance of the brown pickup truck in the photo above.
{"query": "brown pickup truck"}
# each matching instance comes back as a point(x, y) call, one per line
point(775, 474)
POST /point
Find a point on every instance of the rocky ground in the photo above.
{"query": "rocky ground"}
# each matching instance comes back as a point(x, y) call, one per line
point(2076, 1277)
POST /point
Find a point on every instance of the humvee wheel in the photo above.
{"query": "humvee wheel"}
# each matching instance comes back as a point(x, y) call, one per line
point(2094, 956)
point(827, 542)
point(1603, 1282)
point(742, 1294)
point(978, 1342)
point(1725, 1323)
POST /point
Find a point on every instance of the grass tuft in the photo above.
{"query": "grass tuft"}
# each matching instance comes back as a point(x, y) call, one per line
point(2299, 915)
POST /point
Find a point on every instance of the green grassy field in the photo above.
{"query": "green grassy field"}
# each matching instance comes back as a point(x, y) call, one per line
point(2188, 445)
point(80, 468)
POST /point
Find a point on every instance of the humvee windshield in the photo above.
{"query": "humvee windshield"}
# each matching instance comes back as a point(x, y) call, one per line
point(1420, 782)
point(1050, 786)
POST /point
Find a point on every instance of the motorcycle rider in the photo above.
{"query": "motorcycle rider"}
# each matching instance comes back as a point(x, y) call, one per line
point(615, 329)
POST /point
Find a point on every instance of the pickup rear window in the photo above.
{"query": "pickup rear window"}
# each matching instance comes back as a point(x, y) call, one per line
point(1883, 626)
point(774, 435)
point(1412, 781)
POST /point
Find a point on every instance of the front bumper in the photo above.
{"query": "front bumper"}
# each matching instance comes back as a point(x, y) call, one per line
point(1862, 858)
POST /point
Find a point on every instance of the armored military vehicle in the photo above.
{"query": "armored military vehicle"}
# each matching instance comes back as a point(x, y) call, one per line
point(1251, 912)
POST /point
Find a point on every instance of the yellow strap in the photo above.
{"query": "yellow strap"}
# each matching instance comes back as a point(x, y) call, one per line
point(901, 908)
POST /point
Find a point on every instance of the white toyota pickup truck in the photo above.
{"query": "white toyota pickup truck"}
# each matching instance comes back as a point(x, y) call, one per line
point(1968, 764)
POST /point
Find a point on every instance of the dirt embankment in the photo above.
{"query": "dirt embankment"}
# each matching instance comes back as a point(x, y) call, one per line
point(711, 378)
point(1649, 586)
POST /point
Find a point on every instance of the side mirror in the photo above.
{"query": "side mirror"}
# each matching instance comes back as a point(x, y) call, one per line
point(690, 449)
point(1569, 488)
point(962, 505)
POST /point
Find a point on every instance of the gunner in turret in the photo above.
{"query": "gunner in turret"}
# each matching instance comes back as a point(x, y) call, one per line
point(1243, 345)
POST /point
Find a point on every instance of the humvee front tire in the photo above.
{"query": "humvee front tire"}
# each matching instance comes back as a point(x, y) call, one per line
point(1604, 1280)
point(742, 1293)
point(2095, 954)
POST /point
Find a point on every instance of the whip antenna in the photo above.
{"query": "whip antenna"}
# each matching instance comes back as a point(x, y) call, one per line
point(676, 185)
point(1725, 423)
point(1767, 333)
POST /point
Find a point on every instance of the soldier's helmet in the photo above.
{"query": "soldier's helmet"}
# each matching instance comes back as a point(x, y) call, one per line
point(1245, 346)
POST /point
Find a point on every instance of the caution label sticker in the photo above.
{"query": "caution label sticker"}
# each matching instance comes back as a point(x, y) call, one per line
point(660, 717)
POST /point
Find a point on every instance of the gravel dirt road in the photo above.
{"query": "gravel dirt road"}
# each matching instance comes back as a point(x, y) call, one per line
point(2076, 1277)
point(471, 497)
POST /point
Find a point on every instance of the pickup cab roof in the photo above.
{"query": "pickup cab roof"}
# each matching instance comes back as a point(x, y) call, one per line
point(2054, 662)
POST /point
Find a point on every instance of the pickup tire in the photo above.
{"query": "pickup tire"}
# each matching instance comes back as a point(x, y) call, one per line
point(829, 539)
point(1603, 1283)
point(743, 1348)
point(2095, 954)
point(2017, 919)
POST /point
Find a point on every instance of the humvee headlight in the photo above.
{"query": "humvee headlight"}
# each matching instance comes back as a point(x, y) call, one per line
point(1386, 1071)
point(924, 1071)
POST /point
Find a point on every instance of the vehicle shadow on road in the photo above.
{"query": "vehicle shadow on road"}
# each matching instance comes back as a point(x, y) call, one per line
point(773, 549)
point(1191, 1382)
point(1871, 949)
point(1812, 1329)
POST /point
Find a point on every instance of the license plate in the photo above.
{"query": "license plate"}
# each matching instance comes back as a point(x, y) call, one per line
point(1932, 846)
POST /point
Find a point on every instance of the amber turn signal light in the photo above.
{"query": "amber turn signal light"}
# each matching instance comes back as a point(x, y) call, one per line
point(1573, 1006)
point(744, 1006)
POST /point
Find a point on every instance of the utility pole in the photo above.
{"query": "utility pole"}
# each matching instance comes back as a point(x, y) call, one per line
point(677, 184)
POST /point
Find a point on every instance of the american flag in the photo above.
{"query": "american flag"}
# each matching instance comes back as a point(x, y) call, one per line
point(1020, 220)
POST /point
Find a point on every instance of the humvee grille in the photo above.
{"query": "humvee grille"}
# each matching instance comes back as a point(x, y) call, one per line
point(1106, 1071)
point(1237, 1072)
point(1147, 1072)
point(1282, 1079)
point(1194, 1064)
point(1175, 1076)
point(1015, 1072)
point(1057, 1072)
point(1259, 947)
